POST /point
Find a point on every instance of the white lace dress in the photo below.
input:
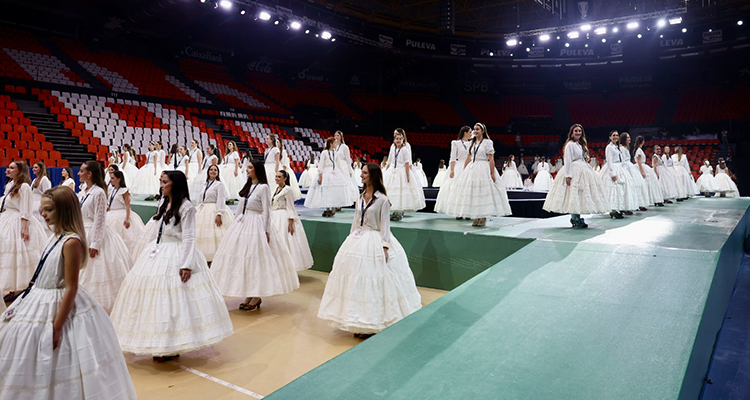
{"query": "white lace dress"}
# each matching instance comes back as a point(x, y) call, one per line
point(308, 175)
point(404, 195)
point(679, 182)
point(666, 178)
point(211, 202)
point(269, 164)
point(343, 158)
point(18, 258)
point(364, 292)
point(199, 182)
point(286, 164)
point(282, 206)
point(682, 167)
point(128, 168)
point(585, 194)
point(440, 178)
point(640, 190)
point(88, 364)
point(419, 172)
point(194, 167)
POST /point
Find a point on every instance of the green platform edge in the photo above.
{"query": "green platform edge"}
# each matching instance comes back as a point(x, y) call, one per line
point(619, 313)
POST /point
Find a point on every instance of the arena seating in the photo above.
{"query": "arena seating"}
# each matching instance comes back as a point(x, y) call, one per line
point(443, 140)
point(499, 113)
point(20, 140)
point(427, 106)
point(619, 109)
point(710, 103)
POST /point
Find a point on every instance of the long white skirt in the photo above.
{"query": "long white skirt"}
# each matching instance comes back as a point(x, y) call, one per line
point(146, 181)
point(104, 274)
point(334, 192)
point(445, 188)
point(679, 183)
point(688, 182)
point(621, 193)
point(421, 175)
point(667, 180)
point(150, 231)
point(208, 236)
point(157, 314)
point(707, 183)
point(404, 196)
point(364, 294)
point(233, 183)
point(193, 170)
point(639, 184)
point(308, 176)
point(585, 195)
point(440, 178)
point(131, 236)
point(18, 259)
point(725, 185)
point(130, 172)
point(87, 364)
point(297, 243)
point(475, 195)
point(655, 195)
point(511, 179)
point(246, 264)
point(293, 183)
point(542, 181)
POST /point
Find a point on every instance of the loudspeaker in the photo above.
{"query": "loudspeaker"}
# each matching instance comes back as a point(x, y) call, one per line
point(447, 19)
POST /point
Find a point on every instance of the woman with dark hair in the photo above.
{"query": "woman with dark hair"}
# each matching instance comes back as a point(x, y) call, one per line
point(128, 164)
point(477, 193)
point(682, 189)
point(682, 168)
point(706, 182)
point(400, 179)
point(666, 178)
point(161, 156)
point(638, 183)
point(109, 258)
point(577, 189)
point(459, 150)
point(371, 286)
point(212, 218)
point(511, 178)
point(286, 165)
point(56, 342)
point(343, 158)
point(119, 217)
point(617, 180)
point(331, 188)
point(39, 185)
point(196, 185)
point(287, 225)
point(650, 179)
point(67, 178)
point(272, 159)
point(419, 172)
point(246, 263)
point(111, 168)
point(725, 185)
point(172, 157)
point(147, 179)
point(442, 174)
point(169, 303)
point(309, 174)
point(195, 161)
point(543, 179)
point(230, 170)
point(22, 237)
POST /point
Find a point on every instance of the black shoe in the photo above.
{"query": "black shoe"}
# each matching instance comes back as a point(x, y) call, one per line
point(642, 209)
point(659, 204)
point(627, 212)
point(582, 223)
point(615, 215)
point(669, 201)
point(680, 199)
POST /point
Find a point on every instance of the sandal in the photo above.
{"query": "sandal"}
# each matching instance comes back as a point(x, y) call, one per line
point(163, 359)
point(253, 307)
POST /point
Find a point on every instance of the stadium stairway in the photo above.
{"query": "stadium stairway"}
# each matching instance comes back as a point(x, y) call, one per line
point(346, 100)
point(227, 136)
point(461, 110)
point(69, 61)
point(175, 72)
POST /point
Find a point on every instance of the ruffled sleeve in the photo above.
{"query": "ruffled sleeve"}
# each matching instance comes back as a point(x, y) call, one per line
point(100, 212)
point(385, 222)
point(25, 201)
point(407, 155)
point(491, 149)
point(187, 246)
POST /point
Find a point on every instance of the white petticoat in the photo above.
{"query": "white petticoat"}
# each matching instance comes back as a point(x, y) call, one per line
point(18, 259)
point(404, 196)
point(688, 182)
point(208, 236)
point(621, 193)
point(511, 179)
point(440, 178)
point(334, 192)
point(725, 184)
point(131, 236)
point(364, 294)
point(157, 314)
point(639, 184)
point(297, 243)
point(706, 183)
point(655, 195)
point(87, 364)
point(585, 194)
point(542, 181)
point(473, 194)
point(445, 188)
point(104, 274)
point(146, 181)
point(307, 177)
point(667, 180)
point(247, 265)
point(233, 183)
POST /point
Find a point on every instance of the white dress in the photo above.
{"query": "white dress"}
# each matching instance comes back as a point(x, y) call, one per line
point(543, 179)
point(69, 183)
point(679, 182)
point(585, 194)
point(308, 175)
point(269, 163)
point(364, 293)
point(88, 364)
point(246, 263)
point(706, 182)
point(474, 194)
point(161, 159)
point(440, 178)
point(335, 189)
point(233, 183)
point(193, 166)
point(147, 179)
point(725, 184)
point(459, 150)
point(158, 314)
point(179, 163)
point(511, 179)
point(282, 206)
point(419, 172)
point(682, 167)
point(36, 192)
point(621, 192)
point(357, 174)
point(18, 258)
point(640, 190)
point(103, 274)
point(653, 187)
point(211, 202)
point(197, 185)
point(404, 195)
point(286, 164)
point(149, 232)
point(116, 213)
point(343, 159)
point(128, 168)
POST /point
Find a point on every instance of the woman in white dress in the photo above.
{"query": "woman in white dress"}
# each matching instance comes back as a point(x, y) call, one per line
point(271, 159)
point(67, 178)
point(419, 172)
point(112, 162)
point(109, 258)
point(286, 165)
point(666, 179)
point(181, 161)
point(477, 193)
point(173, 157)
point(197, 184)
point(459, 150)
point(56, 341)
point(400, 179)
point(653, 187)
point(357, 174)
point(22, 236)
point(250, 262)
point(511, 179)
point(213, 218)
point(679, 182)
point(147, 179)
point(40, 185)
point(371, 286)
point(706, 182)
point(682, 167)
point(617, 180)
point(331, 188)
point(725, 185)
point(309, 174)
point(543, 179)
point(119, 216)
point(128, 165)
point(195, 161)
point(169, 303)
point(442, 174)
point(577, 189)
point(287, 225)
point(640, 191)
point(230, 170)
point(161, 156)
point(343, 158)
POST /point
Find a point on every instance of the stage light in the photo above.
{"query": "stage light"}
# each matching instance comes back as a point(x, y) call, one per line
point(632, 25)
point(295, 25)
point(276, 22)
point(528, 49)
point(661, 23)
point(511, 42)
point(492, 54)
point(661, 36)
point(316, 35)
point(567, 44)
point(325, 35)
point(675, 20)
point(619, 41)
point(558, 38)
point(333, 39)
point(203, 1)
point(586, 27)
point(586, 45)
point(640, 36)
point(225, 4)
point(264, 16)
point(615, 30)
point(684, 30)
point(739, 23)
point(604, 40)
point(242, 12)
point(573, 35)
point(307, 32)
point(544, 38)
point(600, 30)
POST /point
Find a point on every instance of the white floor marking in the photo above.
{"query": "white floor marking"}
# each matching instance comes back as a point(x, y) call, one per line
point(219, 381)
